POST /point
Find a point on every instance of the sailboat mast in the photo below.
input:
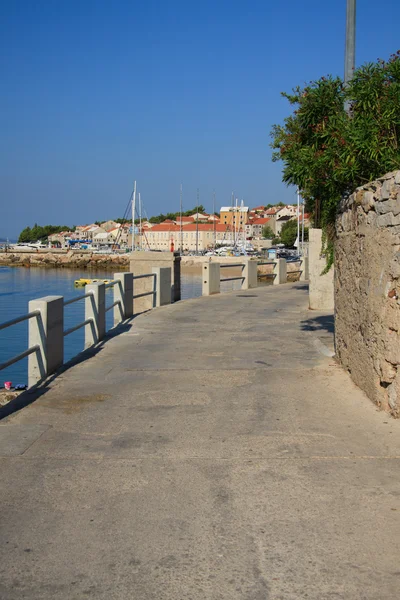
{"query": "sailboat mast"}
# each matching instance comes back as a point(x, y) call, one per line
point(140, 222)
point(197, 224)
point(180, 212)
point(233, 214)
point(214, 222)
point(236, 219)
point(133, 216)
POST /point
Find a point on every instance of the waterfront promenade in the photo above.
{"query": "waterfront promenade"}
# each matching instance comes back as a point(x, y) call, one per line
point(212, 451)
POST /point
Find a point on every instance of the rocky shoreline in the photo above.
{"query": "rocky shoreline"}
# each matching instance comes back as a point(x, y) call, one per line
point(112, 262)
point(70, 260)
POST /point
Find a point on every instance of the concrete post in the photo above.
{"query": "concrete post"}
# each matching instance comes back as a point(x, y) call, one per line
point(304, 269)
point(162, 285)
point(280, 271)
point(123, 293)
point(321, 294)
point(143, 262)
point(47, 332)
point(95, 309)
point(211, 278)
point(250, 275)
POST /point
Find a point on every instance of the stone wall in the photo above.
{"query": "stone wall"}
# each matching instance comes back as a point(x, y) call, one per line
point(367, 289)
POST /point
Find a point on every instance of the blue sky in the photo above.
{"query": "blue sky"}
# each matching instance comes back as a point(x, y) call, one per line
point(96, 94)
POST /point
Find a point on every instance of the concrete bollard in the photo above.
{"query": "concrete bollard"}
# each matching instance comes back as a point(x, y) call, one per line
point(123, 293)
point(47, 332)
point(280, 271)
point(211, 282)
point(162, 286)
point(95, 310)
point(250, 275)
point(304, 275)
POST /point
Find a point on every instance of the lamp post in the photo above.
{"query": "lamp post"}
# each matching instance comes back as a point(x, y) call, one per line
point(298, 220)
point(350, 49)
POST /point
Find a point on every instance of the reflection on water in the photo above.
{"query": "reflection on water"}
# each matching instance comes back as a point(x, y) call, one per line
point(19, 285)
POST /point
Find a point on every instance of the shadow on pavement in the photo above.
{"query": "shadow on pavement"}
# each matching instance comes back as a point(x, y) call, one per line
point(29, 396)
point(324, 323)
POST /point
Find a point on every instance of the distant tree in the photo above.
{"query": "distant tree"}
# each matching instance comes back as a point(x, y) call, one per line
point(39, 232)
point(200, 208)
point(122, 221)
point(267, 233)
point(289, 233)
point(25, 235)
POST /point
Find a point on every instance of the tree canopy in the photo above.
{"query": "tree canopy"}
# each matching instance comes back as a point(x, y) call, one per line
point(39, 232)
point(173, 216)
point(289, 233)
point(268, 233)
point(328, 152)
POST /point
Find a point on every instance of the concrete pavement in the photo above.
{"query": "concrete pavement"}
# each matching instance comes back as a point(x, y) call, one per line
point(213, 451)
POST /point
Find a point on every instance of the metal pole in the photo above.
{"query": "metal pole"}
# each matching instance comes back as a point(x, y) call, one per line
point(140, 223)
point(133, 216)
point(214, 223)
point(302, 233)
point(350, 51)
point(298, 220)
point(197, 223)
point(180, 210)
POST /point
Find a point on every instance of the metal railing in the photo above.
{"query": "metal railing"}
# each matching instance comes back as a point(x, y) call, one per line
point(266, 262)
point(46, 338)
point(232, 266)
point(144, 294)
point(83, 323)
point(35, 348)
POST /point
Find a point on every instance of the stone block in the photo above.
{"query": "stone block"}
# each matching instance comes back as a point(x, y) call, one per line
point(249, 274)
point(162, 285)
point(392, 396)
point(123, 294)
point(95, 312)
point(280, 271)
point(388, 220)
point(392, 347)
point(386, 189)
point(321, 286)
point(47, 332)
point(368, 201)
point(391, 205)
point(211, 278)
point(387, 371)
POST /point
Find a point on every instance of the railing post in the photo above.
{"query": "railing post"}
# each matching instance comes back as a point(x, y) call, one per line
point(47, 332)
point(211, 278)
point(249, 274)
point(95, 309)
point(162, 285)
point(304, 269)
point(123, 293)
point(280, 271)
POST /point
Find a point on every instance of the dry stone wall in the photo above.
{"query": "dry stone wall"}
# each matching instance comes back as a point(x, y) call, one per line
point(367, 289)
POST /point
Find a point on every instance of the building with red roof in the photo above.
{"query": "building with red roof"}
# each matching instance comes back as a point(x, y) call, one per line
point(194, 236)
